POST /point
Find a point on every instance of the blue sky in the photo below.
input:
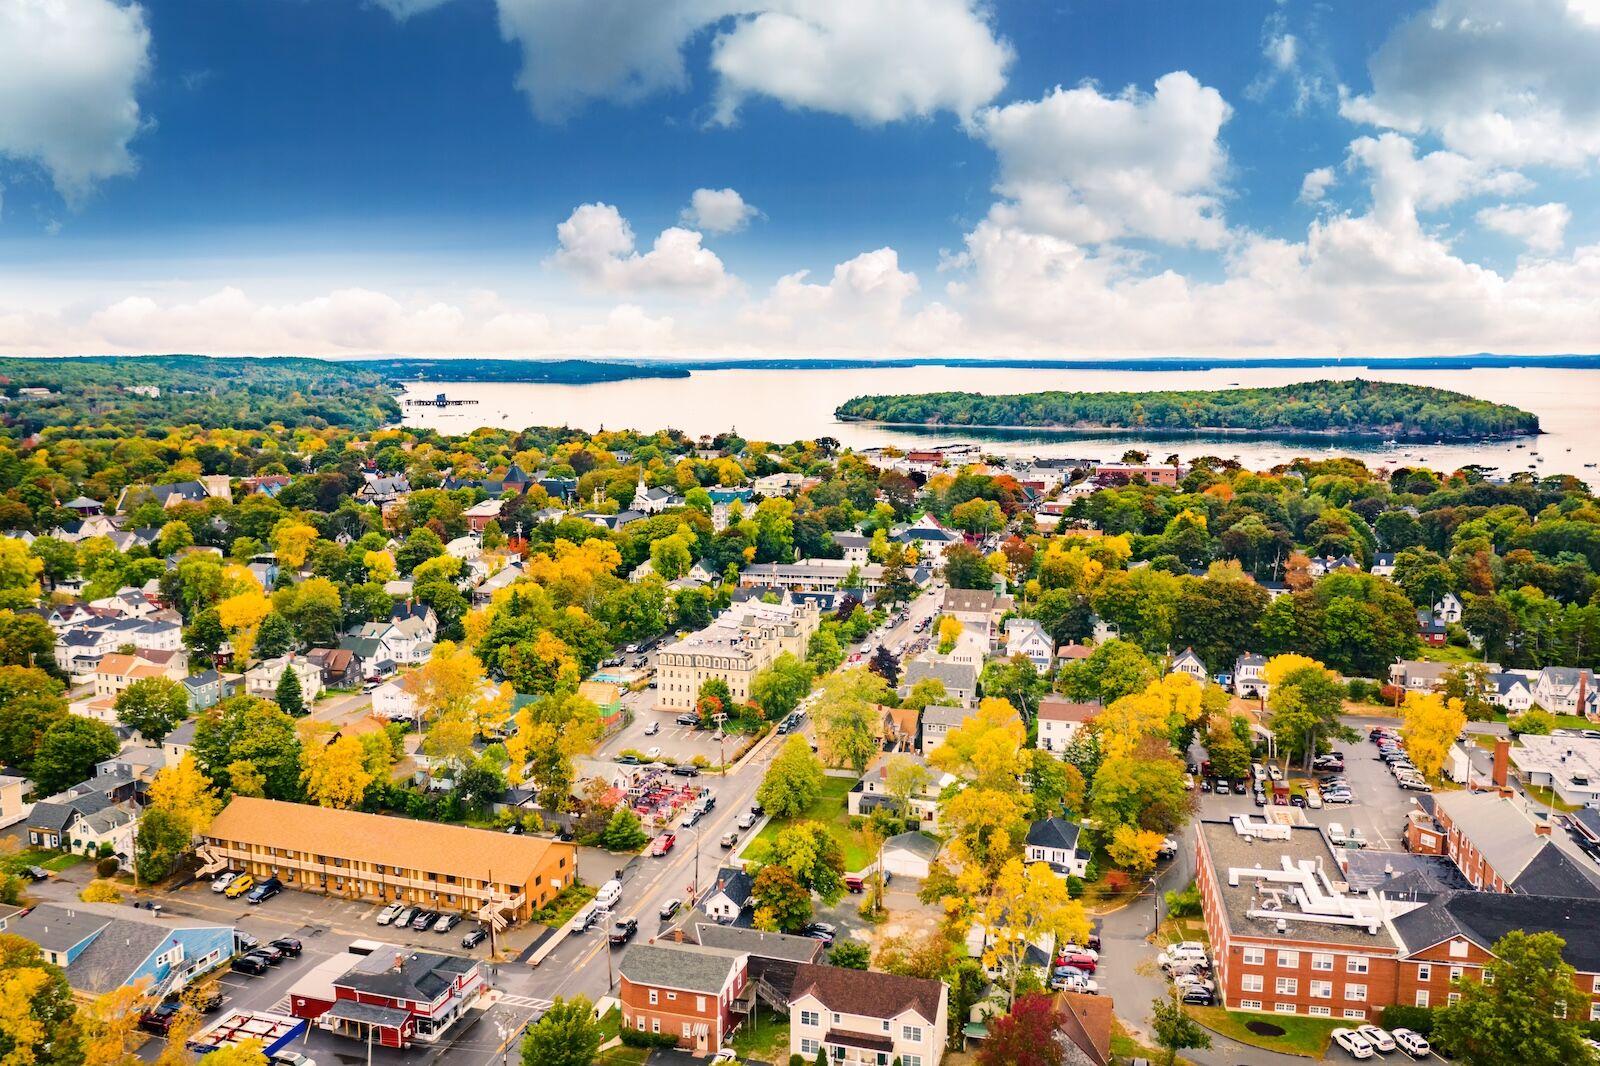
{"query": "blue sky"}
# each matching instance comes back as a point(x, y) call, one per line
point(490, 176)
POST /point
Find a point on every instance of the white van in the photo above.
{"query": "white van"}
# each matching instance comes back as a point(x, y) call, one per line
point(1336, 834)
point(1257, 772)
point(609, 896)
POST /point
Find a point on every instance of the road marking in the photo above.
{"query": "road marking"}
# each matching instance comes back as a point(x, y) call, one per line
point(527, 1001)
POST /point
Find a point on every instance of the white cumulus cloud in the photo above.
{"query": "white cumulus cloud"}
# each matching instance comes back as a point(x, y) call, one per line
point(597, 244)
point(1092, 168)
point(1315, 185)
point(70, 71)
point(718, 211)
point(1508, 82)
point(1542, 228)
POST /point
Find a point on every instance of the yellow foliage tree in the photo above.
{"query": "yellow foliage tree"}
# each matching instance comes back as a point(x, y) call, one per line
point(1281, 666)
point(1430, 723)
point(241, 616)
point(185, 792)
point(449, 683)
point(949, 632)
point(1028, 905)
point(1134, 849)
point(335, 775)
point(244, 1053)
point(291, 540)
point(986, 747)
point(380, 566)
point(109, 1024)
point(101, 891)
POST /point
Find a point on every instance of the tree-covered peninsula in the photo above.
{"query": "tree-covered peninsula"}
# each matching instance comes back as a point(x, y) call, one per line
point(1355, 407)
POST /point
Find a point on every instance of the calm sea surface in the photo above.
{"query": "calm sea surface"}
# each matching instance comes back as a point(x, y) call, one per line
point(787, 405)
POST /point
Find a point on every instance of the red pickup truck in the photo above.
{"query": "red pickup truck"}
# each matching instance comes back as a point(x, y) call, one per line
point(663, 844)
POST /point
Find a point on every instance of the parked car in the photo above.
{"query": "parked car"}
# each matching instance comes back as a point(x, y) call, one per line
point(388, 913)
point(1381, 1041)
point(819, 931)
point(424, 919)
point(729, 840)
point(290, 1058)
point(1413, 1044)
point(239, 886)
point(273, 955)
point(629, 759)
point(669, 908)
point(221, 882)
point(623, 929)
point(686, 770)
point(1415, 784)
point(663, 844)
point(747, 819)
point(446, 923)
point(1198, 997)
point(1239, 786)
point(687, 719)
point(289, 946)
point(264, 891)
point(1086, 963)
point(254, 965)
point(474, 938)
point(159, 1019)
point(1261, 798)
point(1353, 1042)
point(652, 729)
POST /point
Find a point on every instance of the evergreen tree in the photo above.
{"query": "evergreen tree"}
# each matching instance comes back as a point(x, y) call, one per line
point(289, 695)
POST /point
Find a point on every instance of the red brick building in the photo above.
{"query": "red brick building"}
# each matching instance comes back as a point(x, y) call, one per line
point(1290, 935)
point(694, 993)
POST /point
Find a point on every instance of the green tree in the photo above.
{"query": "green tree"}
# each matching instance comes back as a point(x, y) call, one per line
point(779, 688)
point(794, 780)
point(823, 651)
point(1528, 1008)
point(927, 692)
point(288, 694)
point(154, 706)
point(567, 1035)
point(966, 568)
point(163, 838)
point(623, 832)
point(30, 702)
point(713, 699)
point(814, 857)
point(68, 752)
point(849, 955)
point(895, 585)
point(274, 638)
point(1113, 670)
point(1305, 705)
point(1015, 680)
point(253, 733)
point(846, 715)
point(781, 899)
point(27, 640)
point(1174, 1030)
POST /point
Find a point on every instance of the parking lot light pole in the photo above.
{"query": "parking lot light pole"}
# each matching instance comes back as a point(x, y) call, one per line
point(1155, 898)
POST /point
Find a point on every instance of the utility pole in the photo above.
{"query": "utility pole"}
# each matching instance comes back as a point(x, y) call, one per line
point(488, 899)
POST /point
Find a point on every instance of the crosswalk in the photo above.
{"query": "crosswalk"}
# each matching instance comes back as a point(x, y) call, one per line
point(529, 1002)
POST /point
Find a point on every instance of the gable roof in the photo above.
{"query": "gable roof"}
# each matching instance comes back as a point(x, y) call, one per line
point(1485, 917)
point(755, 942)
point(1086, 1021)
point(734, 883)
point(1055, 709)
point(969, 601)
point(954, 675)
point(421, 976)
point(875, 995)
point(1054, 833)
point(689, 967)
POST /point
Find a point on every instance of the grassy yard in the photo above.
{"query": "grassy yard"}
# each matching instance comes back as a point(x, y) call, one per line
point(831, 810)
point(1450, 653)
point(764, 1038)
point(560, 910)
point(1301, 1036)
point(1125, 1046)
point(1547, 798)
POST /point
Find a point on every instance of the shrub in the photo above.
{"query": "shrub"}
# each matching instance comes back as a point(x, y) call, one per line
point(108, 866)
point(1117, 881)
point(1417, 1019)
point(1074, 886)
point(1532, 721)
point(797, 1060)
point(1184, 903)
point(640, 1038)
point(98, 891)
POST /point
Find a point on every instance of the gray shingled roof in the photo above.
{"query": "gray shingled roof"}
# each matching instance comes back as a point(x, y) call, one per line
point(689, 967)
point(756, 942)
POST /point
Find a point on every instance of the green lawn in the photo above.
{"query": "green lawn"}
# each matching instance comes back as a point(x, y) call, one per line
point(62, 862)
point(765, 1037)
point(1547, 798)
point(1301, 1036)
point(1450, 653)
point(831, 810)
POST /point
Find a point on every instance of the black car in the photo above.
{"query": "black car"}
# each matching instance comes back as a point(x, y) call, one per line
point(628, 760)
point(819, 931)
point(1239, 786)
point(254, 965)
point(159, 1019)
point(623, 930)
point(757, 810)
point(474, 938)
point(264, 891)
point(273, 955)
point(1261, 798)
point(688, 719)
point(1195, 996)
point(686, 771)
point(289, 946)
point(425, 920)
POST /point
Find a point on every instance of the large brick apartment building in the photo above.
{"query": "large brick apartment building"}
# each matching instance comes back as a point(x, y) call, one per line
point(1291, 935)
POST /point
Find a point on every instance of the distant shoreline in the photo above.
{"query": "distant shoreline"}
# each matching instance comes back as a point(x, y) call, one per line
point(1179, 433)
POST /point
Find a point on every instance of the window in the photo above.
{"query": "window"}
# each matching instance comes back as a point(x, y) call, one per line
point(886, 1025)
point(686, 1030)
point(1288, 986)
point(1424, 972)
point(1455, 974)
point(1321, 989)
point(1355, 992)
point(911, 1033)
point(1488, 979)
point(1560, 1011)
point(1355, 964)
point(672, 996)
point(835, 1017)
point(1321, 961)
point(654, 997)
point(910, 1060)
point(655, 1025)
point(1422, 997)
point(809, 1017)
point(699, 1003)
point(1594, 1012)
point(1249, 1004)
point(1458, 949)
point(1250, 982)
point(1255, 956)
point(1354, 1012)
point(1289, 959)
point(1451, 999)
point(1320, 1012)
point(1284, 1008)
point(808, 1047)
point(640, 1024)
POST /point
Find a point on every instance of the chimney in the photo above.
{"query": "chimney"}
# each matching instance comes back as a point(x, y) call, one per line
point(1502, 761)
point(1542, 830)
point(399, 961)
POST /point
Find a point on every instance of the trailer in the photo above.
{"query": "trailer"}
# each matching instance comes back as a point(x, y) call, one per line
point(274, 1031)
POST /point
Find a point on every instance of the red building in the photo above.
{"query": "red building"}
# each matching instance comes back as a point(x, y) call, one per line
point(398, 998)
point(694, 993)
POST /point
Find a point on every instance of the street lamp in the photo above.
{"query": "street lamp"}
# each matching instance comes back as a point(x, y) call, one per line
point(1155, 899)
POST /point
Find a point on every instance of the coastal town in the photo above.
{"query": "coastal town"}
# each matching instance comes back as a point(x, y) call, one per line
point(609, 747)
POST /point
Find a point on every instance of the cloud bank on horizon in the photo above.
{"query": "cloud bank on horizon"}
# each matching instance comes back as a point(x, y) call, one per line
point(797, 177)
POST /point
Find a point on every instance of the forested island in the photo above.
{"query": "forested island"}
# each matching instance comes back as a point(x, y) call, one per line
point(521, 371)
point(1346, 408)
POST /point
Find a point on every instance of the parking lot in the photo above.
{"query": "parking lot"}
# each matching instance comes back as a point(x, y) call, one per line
point(677, 742)
point(1380, 805)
